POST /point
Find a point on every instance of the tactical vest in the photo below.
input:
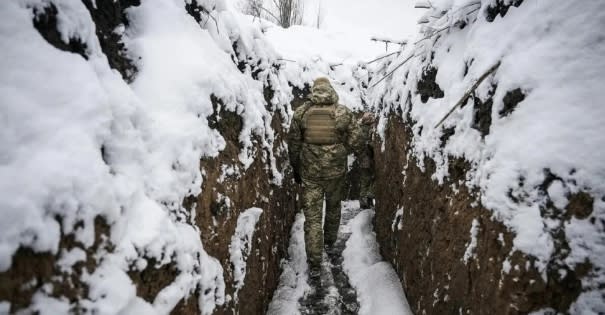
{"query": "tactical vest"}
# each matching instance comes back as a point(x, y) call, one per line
point(320, 125)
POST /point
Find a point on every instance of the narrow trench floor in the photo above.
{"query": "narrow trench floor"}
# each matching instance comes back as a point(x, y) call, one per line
point(339, 297)
point(368, 285)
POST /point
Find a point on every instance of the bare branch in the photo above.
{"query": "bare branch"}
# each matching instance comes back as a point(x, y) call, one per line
point(382, 57)
point(469, 92)
point(388, 74)
point(270, 14)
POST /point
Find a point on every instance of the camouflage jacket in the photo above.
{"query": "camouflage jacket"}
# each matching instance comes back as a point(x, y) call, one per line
point(366, 156)
point(324, 161)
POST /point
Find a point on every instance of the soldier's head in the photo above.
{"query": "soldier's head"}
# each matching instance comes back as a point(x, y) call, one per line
point(322, 92)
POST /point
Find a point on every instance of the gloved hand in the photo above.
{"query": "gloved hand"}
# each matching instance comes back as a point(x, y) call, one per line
point(367, 118)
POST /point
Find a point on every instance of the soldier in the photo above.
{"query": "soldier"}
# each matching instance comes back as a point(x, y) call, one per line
point(366, 164)
point(321, 136)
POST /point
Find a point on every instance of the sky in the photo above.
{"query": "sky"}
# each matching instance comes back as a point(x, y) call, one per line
point(354, 22)
point(383, 18)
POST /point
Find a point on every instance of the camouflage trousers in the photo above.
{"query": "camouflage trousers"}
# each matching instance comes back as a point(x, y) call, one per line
point(313, 197)
point(366, 183)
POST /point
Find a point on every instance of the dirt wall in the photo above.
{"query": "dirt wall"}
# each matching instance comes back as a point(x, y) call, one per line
point(428, 242)
point(223, 198)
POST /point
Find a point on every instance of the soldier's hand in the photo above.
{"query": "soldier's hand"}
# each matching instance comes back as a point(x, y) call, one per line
point(368, 118)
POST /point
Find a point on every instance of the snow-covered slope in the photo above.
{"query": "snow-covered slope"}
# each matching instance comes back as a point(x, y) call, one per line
point(308, 53)
point(532, 135)
point(94, 171)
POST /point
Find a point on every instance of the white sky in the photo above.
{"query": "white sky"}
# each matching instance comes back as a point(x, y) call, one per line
point(384, 18)
point(347, 27)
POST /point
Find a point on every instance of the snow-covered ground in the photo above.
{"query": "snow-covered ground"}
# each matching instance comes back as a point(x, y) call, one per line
point(293, 279)
point(378, 287)
point(379, 291)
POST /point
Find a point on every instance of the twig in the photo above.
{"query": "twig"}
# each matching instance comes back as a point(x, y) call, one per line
point(466, 6)
point(382, 57)
point(213, 18)
point(388, 74)
point(271, 14)
point(469, 92)
point(429, 36)
point(390, 41)
point(455, 24)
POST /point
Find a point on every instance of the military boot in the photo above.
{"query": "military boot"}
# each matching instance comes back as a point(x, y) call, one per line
point(315, 278)
point(366, 203)
point(313, 302)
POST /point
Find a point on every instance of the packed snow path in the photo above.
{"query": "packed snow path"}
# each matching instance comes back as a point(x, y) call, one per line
point(356, 279)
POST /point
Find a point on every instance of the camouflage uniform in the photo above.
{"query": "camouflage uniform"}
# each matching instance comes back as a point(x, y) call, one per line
point(321, 136)
point(366, 172)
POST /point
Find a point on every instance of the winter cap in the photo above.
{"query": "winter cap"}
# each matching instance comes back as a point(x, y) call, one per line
point(321, 80)
point(322, 92)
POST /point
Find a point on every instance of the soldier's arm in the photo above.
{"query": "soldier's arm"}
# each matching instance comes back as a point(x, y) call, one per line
point(356, 139)
point(295, 139)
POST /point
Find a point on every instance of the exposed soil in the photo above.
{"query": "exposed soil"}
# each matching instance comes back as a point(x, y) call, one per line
point(45, 21)
point(500, 7)
point(428, 251)
point(482, 117)
point(107, 16)
point(220, 204)
point(427, 87)
point(217, 207)
point(30, 271)
point(511, 100)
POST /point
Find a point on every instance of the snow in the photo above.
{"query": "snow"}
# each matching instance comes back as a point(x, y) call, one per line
point(51, 306)
point(397, 220)
point(472, 244)
point(552, 52)
point(70, 258)
point(378, 287)
point(78, 143)
point(241, 245)
point(293, 279)
point(298, 42)
point(307, 53)
point(386, 18)
point(359, 20)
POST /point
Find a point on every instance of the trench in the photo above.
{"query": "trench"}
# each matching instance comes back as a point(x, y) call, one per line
point(224, 190)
